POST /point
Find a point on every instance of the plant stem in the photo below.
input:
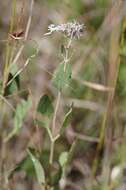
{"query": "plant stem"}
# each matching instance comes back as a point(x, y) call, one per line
point(51, 152)
point(55, 113)
point(57, 106)
point(53, 128)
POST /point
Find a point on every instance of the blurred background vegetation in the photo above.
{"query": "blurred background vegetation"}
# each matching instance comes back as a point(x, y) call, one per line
point(96, 132)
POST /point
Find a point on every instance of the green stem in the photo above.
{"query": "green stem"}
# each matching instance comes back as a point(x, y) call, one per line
point(53, 128)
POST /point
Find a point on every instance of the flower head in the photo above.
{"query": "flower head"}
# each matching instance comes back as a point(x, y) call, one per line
point(70, 29)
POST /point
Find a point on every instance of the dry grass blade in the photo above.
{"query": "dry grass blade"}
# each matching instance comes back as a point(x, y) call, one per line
point(83, 137)
point(85, 104)
point(95, 86)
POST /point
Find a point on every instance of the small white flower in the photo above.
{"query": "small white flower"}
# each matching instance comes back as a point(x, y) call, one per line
point(70, 29)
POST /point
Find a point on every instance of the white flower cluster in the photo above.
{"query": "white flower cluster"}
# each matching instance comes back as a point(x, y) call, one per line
point(70, 29)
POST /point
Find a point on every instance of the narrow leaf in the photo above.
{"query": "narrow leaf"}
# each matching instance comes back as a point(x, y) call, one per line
point(40, 174)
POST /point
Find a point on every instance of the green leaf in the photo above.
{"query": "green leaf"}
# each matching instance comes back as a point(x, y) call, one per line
point(45, 106)
point(66, 120)
point(20, 114)
point(24, 165)
point(63, 158)
point(21, 110)
point(13, 86)
point(40, 174)
point(62, 77)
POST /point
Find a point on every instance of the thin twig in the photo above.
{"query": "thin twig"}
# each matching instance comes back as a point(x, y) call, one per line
point(5, 100)
point(18, 55)
point(29, 20)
